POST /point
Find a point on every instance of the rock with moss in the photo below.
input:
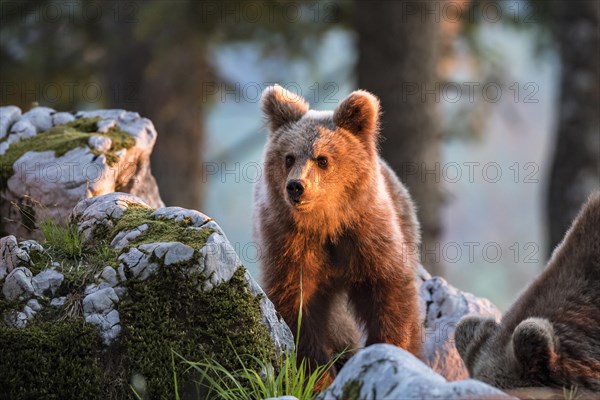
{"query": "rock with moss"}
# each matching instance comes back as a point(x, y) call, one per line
point(150, 287)
point(51, 160)
point(383, 371)
point(443, 306)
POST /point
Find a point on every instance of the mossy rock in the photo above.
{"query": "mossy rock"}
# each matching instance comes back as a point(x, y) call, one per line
point(182, 309)
point(51, 160)
point(61, 139)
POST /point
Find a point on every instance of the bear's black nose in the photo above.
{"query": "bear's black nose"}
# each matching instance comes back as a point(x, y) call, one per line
point(295, 188)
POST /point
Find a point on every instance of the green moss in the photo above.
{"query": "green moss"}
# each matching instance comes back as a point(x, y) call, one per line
point(351, 390)
point(58, 360)
point(160, 230)
point(194, 324)
point(61, 139)
point(40, 260)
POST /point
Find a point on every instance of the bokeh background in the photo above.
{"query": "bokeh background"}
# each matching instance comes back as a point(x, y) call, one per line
point(491, 108)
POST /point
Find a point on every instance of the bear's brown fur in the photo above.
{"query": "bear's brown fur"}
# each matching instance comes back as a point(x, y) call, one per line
point(348, 235)
point(551, 335)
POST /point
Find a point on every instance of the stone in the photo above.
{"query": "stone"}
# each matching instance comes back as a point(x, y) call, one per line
point(179, 214)
point(100, 302)
point(219, 260)
point(136, 264)
point(16, 319)
point(58, 301)
point(3, 147)
point(101, 212)
point(30, 245)
point(279, 331)
point(20, 130)
point(173, 252)
point(282, 398)
point(384, 371)
point(443, 306)
point(46, 281)
point(62, 118)
point(9, 257)
point(108, 277)
point(8, 116)
point(39, 117)
point(123, 238)
point(34, 305)
point(100, 143)
point(99, 309)
point(17, 285)
point(52, 185)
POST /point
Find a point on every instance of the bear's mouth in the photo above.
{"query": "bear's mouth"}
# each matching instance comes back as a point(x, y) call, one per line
point(300, 205)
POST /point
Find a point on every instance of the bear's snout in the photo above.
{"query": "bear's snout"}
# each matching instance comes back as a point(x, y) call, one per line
point(295, 188)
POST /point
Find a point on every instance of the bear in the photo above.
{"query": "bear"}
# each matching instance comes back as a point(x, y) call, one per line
point(336, 228)
point(551, 335)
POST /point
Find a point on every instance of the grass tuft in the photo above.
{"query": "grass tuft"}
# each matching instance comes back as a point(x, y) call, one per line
point(64, 240)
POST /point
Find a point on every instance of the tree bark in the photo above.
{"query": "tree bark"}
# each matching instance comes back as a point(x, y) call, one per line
point(397, 46)
point(166, 88)
point(575, 171)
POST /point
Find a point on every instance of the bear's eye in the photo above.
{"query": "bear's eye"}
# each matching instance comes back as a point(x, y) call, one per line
point(322, 162)
point(289, 160)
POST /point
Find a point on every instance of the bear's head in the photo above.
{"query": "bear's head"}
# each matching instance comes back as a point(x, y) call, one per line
point(527, 357)
point(320, 162)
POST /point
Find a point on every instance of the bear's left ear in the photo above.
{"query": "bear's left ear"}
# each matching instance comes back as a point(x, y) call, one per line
point(534, 345)
point(358, 113)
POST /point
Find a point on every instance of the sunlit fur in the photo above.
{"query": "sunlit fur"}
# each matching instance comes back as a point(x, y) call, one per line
point(353, 236)
point(551, 335)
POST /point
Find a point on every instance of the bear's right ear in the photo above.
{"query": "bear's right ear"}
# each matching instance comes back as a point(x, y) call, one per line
point(470, 331)
point(534, 345)
point(281, 106)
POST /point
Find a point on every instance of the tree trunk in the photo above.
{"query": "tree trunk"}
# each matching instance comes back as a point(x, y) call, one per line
point(397, 45)
point(575, 171)
point(166, 89)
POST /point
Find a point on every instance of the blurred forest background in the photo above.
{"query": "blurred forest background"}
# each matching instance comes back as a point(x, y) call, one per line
point(491, 108)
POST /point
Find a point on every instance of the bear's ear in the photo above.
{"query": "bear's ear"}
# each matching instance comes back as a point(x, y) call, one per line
point(358, 113)
point(281, 106)
point(534, 345)
point(471, 331)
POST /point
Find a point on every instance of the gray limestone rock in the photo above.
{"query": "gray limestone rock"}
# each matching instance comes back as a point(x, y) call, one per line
point(61, 118)
point(8, 116)
point(383, 371)
point(47, 282)
point(52, 185)
point(443, 306)
point(18, 285)
point(100, 143)
point(216, 260)
point(39, 117)
point(178, 214)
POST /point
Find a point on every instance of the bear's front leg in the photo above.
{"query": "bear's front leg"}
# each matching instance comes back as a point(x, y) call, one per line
point(389, 309)
point(313, 343)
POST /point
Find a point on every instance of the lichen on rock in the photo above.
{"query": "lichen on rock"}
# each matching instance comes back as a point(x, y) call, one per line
point(168, 281)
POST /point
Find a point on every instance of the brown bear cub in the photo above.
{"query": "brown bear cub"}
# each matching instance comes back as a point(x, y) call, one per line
point(335, 226)
point(551, 335)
